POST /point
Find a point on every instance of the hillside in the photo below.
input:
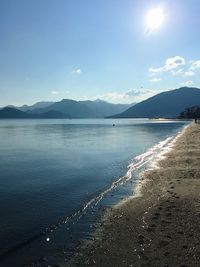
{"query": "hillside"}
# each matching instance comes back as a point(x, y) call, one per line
point(65, 108)
point(83, 109)
point(102, 108)
point(42, 104)
point(8, 113)
point(167, 104)
point(13, 113)
point(25, 108)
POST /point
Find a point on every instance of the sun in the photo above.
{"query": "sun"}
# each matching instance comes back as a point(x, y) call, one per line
point(155, 18)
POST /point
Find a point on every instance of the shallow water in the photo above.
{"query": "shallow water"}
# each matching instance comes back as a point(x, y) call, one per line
point(56, 175)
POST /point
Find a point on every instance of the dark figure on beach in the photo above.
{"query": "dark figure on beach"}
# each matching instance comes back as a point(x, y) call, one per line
point(195, 119)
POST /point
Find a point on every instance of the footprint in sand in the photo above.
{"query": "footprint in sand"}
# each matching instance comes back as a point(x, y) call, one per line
point(163, 243)
point(156, 216)
point(151, 228)
point(180, 232)
point(166, 221)
point(166, 253)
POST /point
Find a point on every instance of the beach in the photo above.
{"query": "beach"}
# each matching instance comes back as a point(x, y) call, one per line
point(160, 225)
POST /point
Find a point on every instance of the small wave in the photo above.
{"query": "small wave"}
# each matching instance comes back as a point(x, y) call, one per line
point(138, 162)
point(159, 152)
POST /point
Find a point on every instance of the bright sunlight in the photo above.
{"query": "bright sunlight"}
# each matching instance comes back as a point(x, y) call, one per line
point(154, 18)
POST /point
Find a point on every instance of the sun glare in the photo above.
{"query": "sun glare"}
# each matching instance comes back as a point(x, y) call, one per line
point(154, 18)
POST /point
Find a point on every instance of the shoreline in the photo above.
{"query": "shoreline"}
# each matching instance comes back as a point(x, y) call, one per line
point(158, 227)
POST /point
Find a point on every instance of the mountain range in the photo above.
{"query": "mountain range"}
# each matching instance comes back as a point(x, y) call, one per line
point(41, 104)
point(13, 113)
point(65, 108)
point(167, 104)
point(164, 105)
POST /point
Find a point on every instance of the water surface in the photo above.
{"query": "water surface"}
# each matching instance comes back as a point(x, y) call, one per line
point(51, 169)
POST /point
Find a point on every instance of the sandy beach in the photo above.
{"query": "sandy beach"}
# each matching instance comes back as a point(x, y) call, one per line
point(161, 226)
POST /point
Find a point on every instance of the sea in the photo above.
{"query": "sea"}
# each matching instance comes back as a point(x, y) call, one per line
point(59, 176)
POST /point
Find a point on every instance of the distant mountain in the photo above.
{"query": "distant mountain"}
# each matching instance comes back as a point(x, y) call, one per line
point(13, 113)
point(42, 104)
point(7, 113)
point(83, 109)
point(65, 108)
point(71, 107)
point(167, 104)
point(103, 108)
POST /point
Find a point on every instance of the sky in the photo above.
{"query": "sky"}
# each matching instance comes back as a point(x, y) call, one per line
point(89, 49)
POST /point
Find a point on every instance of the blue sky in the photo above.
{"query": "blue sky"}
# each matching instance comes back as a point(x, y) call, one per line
point(88, 49)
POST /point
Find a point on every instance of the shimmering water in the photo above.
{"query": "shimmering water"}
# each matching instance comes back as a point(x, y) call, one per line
point(56, 175)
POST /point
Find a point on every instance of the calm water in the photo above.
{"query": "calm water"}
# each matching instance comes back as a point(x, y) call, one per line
point(50, 169)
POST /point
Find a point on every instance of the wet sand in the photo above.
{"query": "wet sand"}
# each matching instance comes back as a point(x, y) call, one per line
point(160, 227)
